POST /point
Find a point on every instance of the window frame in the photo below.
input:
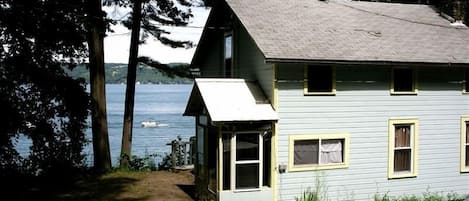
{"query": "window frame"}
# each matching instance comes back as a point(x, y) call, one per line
point(310, 167)
point(464, 122)
point(414, 122)
point(234, 162)
point(414, 83)
point(226, 35)
point(306, 78)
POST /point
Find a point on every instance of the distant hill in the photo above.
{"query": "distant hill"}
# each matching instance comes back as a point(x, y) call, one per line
point(116, 73)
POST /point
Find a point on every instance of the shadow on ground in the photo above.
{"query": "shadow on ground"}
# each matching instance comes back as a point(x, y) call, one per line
point(89, 189)
point(189, 189)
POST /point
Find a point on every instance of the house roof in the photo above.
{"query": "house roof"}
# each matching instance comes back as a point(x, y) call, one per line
point(229, 100)
point(311, 30)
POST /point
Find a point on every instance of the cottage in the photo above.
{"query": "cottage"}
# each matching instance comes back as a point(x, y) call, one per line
point(363, 98)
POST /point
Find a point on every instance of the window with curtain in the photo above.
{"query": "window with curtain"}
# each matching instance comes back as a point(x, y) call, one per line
point(466, 145)
point(319, 80)
point(403, 136)
point(402, 148)
point(318, 151)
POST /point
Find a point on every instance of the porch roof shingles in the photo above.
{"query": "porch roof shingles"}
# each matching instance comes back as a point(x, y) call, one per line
point(228, 100)
point(351, 31)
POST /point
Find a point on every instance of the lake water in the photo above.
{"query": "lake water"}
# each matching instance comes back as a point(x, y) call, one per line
point(163, 103)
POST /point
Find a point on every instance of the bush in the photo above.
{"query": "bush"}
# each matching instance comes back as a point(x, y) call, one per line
point(427, 196)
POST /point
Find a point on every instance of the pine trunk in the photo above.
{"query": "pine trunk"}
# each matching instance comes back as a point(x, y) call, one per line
point(126, 147)
point(101, 151)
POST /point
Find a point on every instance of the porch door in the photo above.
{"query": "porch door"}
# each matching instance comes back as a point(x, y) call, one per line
point(247, 161)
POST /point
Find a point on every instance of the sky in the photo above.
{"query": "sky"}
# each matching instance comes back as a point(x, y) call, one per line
point(117, 44)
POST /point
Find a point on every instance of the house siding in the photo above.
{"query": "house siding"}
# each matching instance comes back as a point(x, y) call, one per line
point(250, 63)
point(362, 107)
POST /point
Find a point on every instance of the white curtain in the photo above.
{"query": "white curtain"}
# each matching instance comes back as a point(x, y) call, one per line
point(331, 151)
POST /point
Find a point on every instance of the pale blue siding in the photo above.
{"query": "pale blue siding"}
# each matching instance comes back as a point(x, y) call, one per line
point(362, 107)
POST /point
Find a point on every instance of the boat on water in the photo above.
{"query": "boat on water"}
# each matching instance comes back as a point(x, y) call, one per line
point(152, 124)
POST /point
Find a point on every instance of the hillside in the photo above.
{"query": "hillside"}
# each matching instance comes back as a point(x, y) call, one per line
point(116, 73)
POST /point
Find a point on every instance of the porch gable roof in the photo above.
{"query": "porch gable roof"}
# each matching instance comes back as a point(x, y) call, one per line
point(229, 100)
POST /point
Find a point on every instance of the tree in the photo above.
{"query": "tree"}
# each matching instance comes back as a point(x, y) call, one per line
point(150, 15)
point(38, 100)
point(96, 30)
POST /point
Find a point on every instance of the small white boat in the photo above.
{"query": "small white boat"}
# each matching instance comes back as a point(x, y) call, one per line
point(150, 123)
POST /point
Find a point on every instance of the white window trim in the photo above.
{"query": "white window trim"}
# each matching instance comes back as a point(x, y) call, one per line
point(234, 162)
point(306, 92)
point(308, 167)
point(413, 145)
point(464, 121)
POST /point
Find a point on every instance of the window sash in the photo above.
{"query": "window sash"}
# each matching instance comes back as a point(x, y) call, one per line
point(319, 80)
point(403, 148)
point(246, 162)
point(324, 151)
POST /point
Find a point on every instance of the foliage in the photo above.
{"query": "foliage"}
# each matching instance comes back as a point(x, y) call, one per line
point(318, 194)
point(427, 196)
point(117, 72)
point(37, 99)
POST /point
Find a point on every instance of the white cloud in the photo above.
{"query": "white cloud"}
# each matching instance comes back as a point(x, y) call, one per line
point(117, 44)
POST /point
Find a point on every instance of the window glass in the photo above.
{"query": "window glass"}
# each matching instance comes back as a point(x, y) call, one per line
point(306, 152)
point(466, 83)
point(320, 79)
point(403, 80)
point(228, 56)
point(402, 147)
point(247, 147)
point(467, 144)
point(226, 161)
point(266, 160)
point(247, 176)
point(331, 151)
point(200, 144)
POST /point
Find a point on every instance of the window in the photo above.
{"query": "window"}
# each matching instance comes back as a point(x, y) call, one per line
point(247, 163)
point(403, 135)
point(466, 81)
point(228, 59)
point(226, 161)
point(465, 144)
point(403, 81)
point(315, 152)
point(319, 80)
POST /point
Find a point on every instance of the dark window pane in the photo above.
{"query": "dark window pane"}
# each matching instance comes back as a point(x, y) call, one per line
point(467, 155)
point(402, 160)
point(247, 147)
point(228, 56)
point(402, 136)
point(228, 68)
point(266, 161)
point(212, 156)
point(306, 152)
point(319, 79)
point(226, 161)
point(403, 80)
point(467, 132)
point(247, 176)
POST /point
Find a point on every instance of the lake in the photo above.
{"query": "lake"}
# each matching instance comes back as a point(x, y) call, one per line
point(163, 103)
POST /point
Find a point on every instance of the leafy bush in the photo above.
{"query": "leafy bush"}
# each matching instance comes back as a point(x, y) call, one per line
point(427, 196)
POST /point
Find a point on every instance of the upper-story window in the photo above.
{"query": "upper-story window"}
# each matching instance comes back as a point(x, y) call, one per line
point(465, 144)
point(228, 57)
point(403, 81)
point(319, 80)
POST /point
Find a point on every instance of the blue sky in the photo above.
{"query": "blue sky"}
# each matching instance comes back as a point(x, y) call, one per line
point(116, 45)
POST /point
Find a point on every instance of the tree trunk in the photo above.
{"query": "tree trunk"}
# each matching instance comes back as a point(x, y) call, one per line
point(126, 147)
point(96, 31)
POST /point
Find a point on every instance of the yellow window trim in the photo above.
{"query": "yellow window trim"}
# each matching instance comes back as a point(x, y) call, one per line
point(464, 119)
point(415, 142)
point(415, 85)
point(305, 84)
point(295, 168)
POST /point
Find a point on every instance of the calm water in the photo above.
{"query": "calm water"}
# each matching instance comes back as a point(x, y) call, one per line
point(163, 103)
